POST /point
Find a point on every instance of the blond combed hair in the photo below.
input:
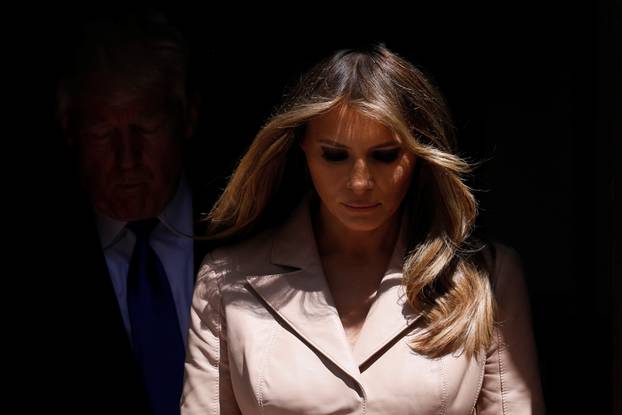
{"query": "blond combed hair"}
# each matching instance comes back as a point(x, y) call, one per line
point(445, 282)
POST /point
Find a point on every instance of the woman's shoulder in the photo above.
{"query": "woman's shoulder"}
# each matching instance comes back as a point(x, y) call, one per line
point(240, 259)
point(507, 275)
point(501, 259)
point(497, 255)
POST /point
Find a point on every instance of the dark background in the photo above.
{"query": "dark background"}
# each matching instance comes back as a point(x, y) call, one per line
point(534, 89)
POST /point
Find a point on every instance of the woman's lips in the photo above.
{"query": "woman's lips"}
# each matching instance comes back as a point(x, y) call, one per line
point(361, 206)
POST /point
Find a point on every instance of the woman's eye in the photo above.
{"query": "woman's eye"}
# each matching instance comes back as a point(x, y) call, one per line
point(331, 154)
point(386, 156)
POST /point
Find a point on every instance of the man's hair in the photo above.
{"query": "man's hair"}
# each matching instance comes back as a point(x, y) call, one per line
point(137, 50)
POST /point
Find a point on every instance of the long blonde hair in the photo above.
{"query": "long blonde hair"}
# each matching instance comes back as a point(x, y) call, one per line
point(444, 283)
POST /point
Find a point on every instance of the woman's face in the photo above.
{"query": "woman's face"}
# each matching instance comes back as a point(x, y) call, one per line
point(360, 168)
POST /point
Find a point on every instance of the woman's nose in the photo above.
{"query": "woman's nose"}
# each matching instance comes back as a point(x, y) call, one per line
point(360, 177)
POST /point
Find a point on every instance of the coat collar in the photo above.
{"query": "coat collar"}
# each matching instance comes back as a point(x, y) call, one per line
point(302, 300)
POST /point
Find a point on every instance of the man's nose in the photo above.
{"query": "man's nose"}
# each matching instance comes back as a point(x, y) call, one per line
point(129, 149)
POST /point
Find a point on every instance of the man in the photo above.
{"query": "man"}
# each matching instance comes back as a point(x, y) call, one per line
point(128, 271)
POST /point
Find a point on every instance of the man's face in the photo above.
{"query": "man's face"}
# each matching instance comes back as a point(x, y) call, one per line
point(130, 149)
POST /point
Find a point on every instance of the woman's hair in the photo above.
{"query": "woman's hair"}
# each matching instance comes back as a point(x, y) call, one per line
point(443, 280)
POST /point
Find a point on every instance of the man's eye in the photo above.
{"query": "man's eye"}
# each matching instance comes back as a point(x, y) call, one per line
point(99, 136)
point(332, 154)
point(386, 156)
point(147, 131)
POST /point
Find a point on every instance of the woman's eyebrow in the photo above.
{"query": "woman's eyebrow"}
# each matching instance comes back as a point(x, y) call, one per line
point(333, 143)
point(388, 144)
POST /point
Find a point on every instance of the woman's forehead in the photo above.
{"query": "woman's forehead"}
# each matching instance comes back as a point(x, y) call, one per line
point(344, 125)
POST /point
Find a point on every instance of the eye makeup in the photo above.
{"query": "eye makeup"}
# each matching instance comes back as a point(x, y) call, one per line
point(388, 155)
point(334, 154)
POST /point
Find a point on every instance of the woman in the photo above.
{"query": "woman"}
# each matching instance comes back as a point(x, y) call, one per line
point(351, 282)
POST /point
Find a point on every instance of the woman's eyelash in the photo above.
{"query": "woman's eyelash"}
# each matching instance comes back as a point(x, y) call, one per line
point(386, 156)
point(331, 154)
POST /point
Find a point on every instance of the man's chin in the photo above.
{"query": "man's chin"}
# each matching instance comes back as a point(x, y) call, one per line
point(131, 204)
point(127, 190)
point(128, 212)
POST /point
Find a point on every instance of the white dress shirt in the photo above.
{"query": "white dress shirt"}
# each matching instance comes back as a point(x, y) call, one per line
point(172, 242)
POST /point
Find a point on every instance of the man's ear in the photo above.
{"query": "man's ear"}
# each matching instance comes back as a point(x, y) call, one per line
point(62, 114)
point(64, 125)
point(194, 103)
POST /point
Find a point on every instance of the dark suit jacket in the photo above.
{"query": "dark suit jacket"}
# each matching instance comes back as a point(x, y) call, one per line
point(88, 360)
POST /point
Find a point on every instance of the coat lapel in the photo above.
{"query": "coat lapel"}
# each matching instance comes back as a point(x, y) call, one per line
point(304, 306)
point(390, 317)
point(301, 299)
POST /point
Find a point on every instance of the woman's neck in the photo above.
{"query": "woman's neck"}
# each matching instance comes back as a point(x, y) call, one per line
point(333, 238)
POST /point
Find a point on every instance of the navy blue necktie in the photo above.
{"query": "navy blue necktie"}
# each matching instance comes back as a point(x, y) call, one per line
point(156, 338)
